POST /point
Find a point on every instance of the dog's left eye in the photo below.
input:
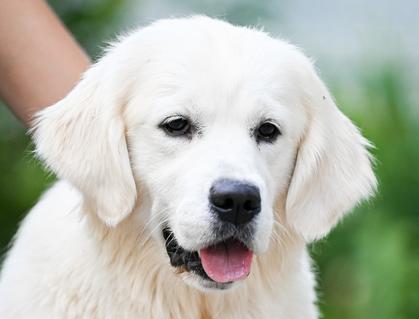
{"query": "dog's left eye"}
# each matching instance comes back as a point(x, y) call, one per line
point(176, 126)
point(267, 132)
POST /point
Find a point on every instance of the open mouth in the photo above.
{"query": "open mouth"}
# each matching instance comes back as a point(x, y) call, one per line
point(222, 262)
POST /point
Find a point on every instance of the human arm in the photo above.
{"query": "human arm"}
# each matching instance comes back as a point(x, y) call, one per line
point(40, 61)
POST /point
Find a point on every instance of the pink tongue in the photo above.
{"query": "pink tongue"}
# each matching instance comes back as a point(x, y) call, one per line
point(227, 261)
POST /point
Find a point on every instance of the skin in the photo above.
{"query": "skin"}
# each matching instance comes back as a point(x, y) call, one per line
point(40, 62)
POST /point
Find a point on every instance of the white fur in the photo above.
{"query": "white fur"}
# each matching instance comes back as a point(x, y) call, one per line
point(92, 246)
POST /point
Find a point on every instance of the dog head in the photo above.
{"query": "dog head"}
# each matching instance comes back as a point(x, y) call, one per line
point(211, 125)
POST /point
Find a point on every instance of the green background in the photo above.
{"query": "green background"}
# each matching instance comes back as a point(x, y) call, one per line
point(368, 267)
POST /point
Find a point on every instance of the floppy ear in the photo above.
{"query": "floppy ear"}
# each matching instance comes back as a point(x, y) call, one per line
point(82, 139)
point(333, 167)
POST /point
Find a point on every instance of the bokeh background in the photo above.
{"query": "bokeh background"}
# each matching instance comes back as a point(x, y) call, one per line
point(368, 54)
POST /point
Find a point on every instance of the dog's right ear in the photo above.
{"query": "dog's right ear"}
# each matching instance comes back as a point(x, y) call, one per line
point(82, 139)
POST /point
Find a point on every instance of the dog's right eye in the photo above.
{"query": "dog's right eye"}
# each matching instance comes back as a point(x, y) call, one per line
point(176, 126)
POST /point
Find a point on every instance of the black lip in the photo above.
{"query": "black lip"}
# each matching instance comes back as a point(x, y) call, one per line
point(181, 258)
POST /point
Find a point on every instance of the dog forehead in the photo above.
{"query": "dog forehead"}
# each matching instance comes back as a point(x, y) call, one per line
point(210, 64)
point(200, 48)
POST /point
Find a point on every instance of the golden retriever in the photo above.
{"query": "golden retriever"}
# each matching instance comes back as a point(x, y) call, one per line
point(196, 161)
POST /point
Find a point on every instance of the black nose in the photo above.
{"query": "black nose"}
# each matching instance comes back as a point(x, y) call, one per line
point(234, 201)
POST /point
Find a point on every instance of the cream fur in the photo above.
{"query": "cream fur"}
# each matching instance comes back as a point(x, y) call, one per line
point(92, 246)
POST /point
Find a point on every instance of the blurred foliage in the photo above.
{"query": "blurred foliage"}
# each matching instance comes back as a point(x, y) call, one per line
point(369, 266)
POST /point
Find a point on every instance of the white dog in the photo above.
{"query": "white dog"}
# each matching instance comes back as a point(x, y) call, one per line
point(197, 159)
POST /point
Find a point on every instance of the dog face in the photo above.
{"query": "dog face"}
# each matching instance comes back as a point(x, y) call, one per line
point(213, 151)
point(210, 125)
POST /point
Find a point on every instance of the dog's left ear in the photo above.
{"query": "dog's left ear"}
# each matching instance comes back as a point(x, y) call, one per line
point(333, 167)
point(82, 139)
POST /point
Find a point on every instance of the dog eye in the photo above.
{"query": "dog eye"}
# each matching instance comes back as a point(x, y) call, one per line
point(176, 126)
point(267, 132)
